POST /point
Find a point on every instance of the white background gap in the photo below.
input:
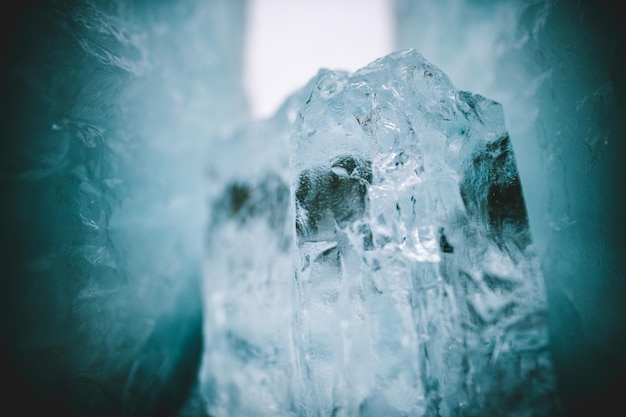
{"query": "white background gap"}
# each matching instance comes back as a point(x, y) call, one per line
point(288, 41)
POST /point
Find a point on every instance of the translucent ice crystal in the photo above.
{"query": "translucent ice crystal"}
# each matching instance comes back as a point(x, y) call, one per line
point(416, 290)
point(248, 290)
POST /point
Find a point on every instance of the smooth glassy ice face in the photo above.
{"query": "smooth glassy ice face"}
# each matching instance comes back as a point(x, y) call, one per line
point(398, 279)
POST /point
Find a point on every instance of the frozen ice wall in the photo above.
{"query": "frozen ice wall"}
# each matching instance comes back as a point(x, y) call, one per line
point(557, 67)
point(107, 110)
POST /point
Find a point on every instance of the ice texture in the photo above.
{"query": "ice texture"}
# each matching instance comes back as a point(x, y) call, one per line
point(248, 287)
point(558, 69)
point(400, 277)
point(107, 109)
point(418, 289)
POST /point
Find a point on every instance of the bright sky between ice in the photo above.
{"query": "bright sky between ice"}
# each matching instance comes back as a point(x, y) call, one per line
point(288, 41)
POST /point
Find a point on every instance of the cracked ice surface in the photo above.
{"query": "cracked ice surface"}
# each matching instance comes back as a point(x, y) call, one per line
point(416, 288)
